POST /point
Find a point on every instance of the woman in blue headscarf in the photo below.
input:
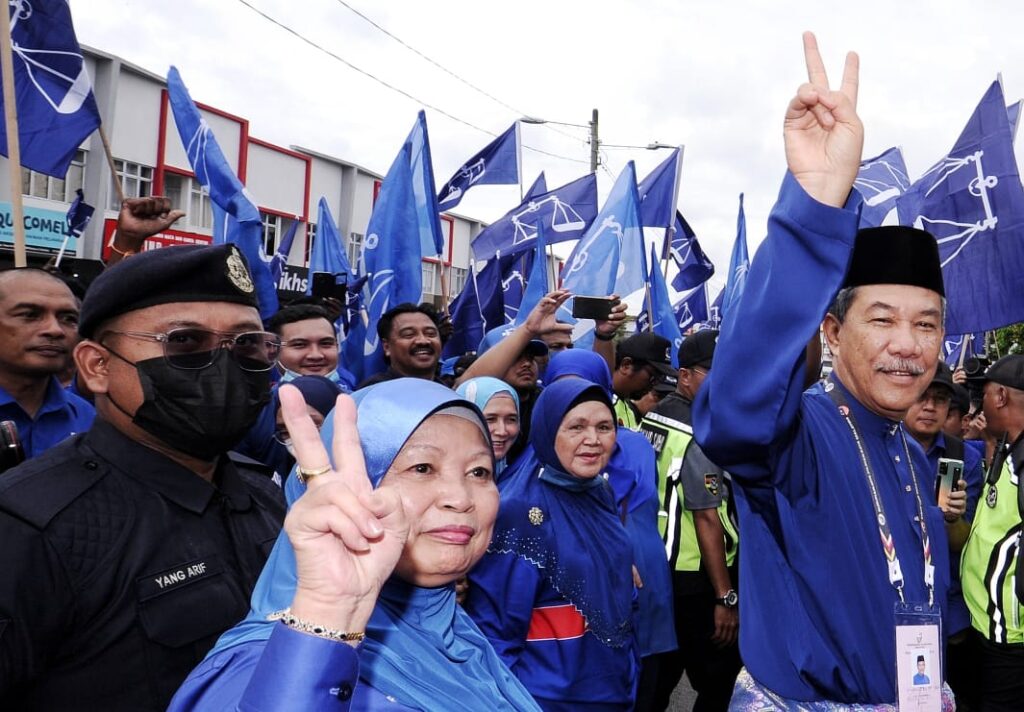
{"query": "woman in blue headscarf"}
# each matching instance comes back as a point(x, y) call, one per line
point(499, 403)
point(554, 594)
point(355, 608)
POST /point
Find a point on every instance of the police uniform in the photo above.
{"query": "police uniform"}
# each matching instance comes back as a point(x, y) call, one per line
point(120, 566)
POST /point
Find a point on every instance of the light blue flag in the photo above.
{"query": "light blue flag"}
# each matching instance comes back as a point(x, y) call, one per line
point(236, 217)
point(428, 216)
point(55, 104)
point(567, 211)
point(391, 255)
point(657, 192)
point(692, 308)
point(497, 163)
point(280, 258)
point(328, 253)
point(352, 347)
point(665, 323)
point(539, 187)
point(537, 284)
point(972, 201)
point(739, 263)
point(880, 181)
point(595, 263)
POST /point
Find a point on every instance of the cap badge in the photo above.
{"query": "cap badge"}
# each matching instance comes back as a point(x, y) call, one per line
point(237, 272)
point(990, 499)
point(536, 516)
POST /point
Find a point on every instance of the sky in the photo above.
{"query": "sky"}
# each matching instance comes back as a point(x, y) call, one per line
point(713, 76)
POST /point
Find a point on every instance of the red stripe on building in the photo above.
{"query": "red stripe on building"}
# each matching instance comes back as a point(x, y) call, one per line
point(556, 623)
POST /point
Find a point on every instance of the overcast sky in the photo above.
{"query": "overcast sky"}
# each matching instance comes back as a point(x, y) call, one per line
point(714, 76)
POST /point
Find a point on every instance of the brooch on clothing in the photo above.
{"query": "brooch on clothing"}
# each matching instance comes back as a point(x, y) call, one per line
point(536, 516)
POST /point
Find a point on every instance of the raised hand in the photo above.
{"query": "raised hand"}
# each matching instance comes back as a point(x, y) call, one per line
point(140, 218)
point(823, 134)
point(608, 327)
point(347, 536)
point(542, 318)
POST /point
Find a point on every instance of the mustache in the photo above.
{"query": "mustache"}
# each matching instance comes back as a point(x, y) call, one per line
point(899, 364)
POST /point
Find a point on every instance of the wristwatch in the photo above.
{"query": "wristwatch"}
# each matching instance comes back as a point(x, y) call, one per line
point(731, 599)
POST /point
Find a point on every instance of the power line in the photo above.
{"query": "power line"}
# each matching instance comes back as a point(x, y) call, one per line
point(392, 87)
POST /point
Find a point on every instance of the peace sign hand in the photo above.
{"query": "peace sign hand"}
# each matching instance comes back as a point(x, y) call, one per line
point(824, 136)
point(347, 536)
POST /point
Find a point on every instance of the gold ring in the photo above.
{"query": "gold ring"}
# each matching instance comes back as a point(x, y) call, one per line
point(306, 475)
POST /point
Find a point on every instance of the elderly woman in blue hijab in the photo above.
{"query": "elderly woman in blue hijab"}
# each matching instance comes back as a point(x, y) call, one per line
point(499, 403)
point(554, 594)
point(356, 606)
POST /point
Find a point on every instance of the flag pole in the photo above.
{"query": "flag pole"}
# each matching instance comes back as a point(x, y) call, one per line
point(110, 162)
point(444, 285)
point(670, 228)
point(13, 145)
point(963, 350)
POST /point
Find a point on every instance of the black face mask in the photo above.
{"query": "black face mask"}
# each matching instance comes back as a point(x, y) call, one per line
point(202, 412)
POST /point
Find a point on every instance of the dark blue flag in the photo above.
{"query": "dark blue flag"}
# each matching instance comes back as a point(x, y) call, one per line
point(567, 212)
point(658, 305)
point(236, 217)
point(514, 270)
point(739, 263)
point(539, 187)
point(714, 320)
point(79, 214)
point(658, 192)
point(497, 163)
point(880, 181)
point(972, 201)
point(537, 283)
point(967, 344)
point(280, 258)
point(694, 266)
point(428, 216)
point(56, 106)
point(1013, 115)
point(476, 309)
point(692, 309)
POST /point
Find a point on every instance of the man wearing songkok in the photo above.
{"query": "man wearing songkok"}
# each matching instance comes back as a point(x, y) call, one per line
point(993, 580)
point(129, 549)
point(845, 557)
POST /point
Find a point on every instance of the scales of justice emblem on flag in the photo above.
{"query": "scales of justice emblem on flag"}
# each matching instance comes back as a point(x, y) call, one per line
point(580, 260)
point(564, 218)
point(472, 172)
point(58, 75)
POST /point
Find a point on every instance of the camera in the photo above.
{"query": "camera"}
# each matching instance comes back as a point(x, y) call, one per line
point(975, 367)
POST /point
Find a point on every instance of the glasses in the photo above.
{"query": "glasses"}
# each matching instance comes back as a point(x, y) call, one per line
point(190, 348)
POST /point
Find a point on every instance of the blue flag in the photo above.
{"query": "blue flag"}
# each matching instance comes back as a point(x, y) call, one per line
point(280, 258)
point(55, 103)
point(594, 266)
point(475, 310)
point(1013, 115)
point(694, 266)
point(969, 344)
point(391, 255)
point(539, 187)
point(692, 309)
point(566, 212)
point(236, 218)
point(514, 270)
point(328, 253)
point(631, 276)
point(714, 320)
point(972, 201)
point(537, 284)
point(658, 305)
point(79, 214)
point(428, 216)
point(497, 163)
point(880, 181)
point(657, 192)
point(739, 263)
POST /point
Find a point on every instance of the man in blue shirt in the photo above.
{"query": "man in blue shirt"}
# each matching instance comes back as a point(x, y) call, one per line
point(38, 325)
point(835, 505)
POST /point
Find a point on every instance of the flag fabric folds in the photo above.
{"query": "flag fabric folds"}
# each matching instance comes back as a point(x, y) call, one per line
point(880, 181)
point(391, 254)
point(657, 192)
point(539, 187)
point(692, 309)
point(497, 163)
point(566, 211)
point(972, 201)
point(428, 216)
point(280, 258)
point(658, 305)
point(1013, 115)
point(694, 266)
point(476, 310)
point(537, 284)
point(328, 254)
point(79, 214)
point(968, 344)
point(236, 218)
point(514, 271)
point(739, 263)
point(55, 103)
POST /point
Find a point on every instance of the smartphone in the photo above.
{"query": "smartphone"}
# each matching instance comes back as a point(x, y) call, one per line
point(325, 286)
point(597, 308)
point(11, 451)
point(948, 480)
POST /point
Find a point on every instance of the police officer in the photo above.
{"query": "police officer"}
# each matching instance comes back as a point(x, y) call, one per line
point(129, 549)
point(700, 539)
point(990, 566)
point(639, 361)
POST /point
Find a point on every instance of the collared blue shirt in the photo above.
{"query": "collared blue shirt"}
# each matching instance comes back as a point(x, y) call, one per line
point(817, 620)
point(62, 414)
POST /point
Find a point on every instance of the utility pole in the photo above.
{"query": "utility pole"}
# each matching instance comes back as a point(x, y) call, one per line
point(594, 142)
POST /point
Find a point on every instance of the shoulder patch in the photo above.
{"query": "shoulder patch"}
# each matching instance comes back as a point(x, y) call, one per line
point(711, 484)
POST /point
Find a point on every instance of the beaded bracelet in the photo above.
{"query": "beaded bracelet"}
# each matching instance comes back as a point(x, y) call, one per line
point(316, 629)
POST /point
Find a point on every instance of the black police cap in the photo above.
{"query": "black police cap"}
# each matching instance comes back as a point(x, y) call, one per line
point(894, 254)
point(698, 349)
point(189, 273)
point(1007, 371)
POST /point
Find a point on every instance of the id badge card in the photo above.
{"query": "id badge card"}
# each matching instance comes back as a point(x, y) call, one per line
point(918, 657)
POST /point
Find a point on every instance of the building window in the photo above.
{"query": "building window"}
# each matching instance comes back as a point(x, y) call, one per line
point(136, 181)
point(429, 272)
point(458, 281)
point(188, 194)
point(271, 230)
point(40, 185)
point(310, 238)
point(355, 251)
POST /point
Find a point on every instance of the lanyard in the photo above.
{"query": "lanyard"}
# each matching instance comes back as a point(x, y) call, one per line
point(884, 532)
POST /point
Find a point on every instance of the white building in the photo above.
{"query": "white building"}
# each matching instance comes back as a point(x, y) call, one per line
point(286, 184)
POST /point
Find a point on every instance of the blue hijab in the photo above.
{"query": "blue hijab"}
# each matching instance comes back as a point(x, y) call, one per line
point(580, 546)
point(421, 648)
point(480, 390)
point(632, 469)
